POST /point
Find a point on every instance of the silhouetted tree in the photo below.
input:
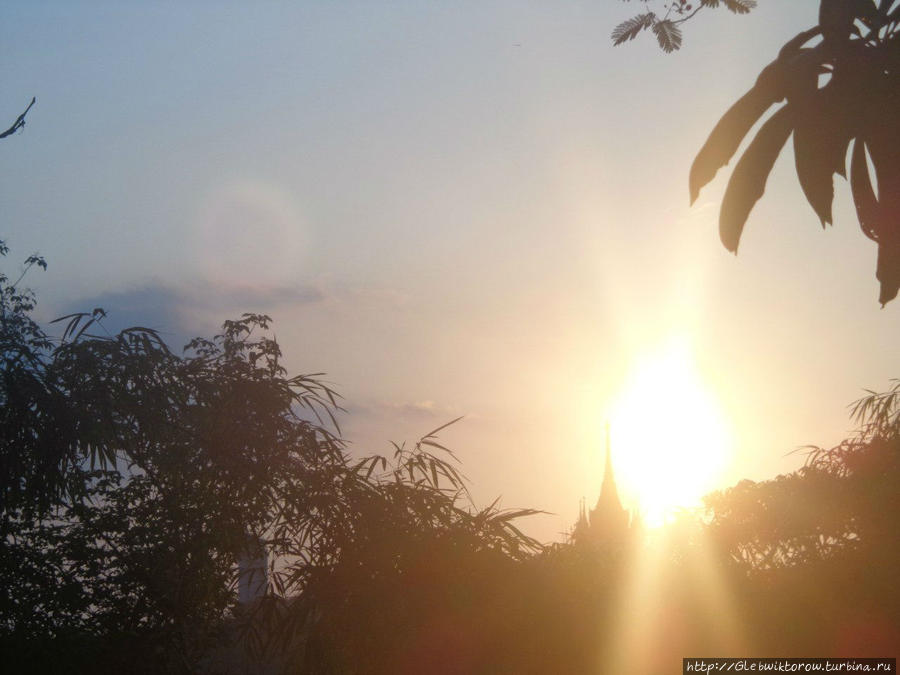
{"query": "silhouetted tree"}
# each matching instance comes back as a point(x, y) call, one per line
point(816, 549)
point(394, 571)
point(133, 476)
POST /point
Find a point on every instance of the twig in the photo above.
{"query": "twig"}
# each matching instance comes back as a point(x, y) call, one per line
point(20, 121)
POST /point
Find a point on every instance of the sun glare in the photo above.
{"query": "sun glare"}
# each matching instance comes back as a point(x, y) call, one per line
point(669, 438)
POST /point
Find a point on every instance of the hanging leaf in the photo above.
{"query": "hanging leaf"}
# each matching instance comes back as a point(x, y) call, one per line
point(628, 30)
point(770, 88)
point(739, 6)
point(882, 136)
point(737, 121)
point(821, 136)
point(726, 136)
point(668, 35)
point(748, 181)
point(879, 217)
point(887, 269)
point(863, 194)
point(888, 222)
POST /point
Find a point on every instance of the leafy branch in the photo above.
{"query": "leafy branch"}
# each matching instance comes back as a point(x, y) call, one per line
point(665, 24)
point(840, 82)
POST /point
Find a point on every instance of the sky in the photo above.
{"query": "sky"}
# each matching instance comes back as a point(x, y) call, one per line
point(463, 208)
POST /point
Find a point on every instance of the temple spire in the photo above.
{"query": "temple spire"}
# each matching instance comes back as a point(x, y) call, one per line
point(608, 521)
point(608, 490)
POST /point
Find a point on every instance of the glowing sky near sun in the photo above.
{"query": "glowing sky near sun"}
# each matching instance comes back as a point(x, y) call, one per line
point(669, 436)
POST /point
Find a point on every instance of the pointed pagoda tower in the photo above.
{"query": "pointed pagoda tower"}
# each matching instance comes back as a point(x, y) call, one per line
point(609, 518)
point(608, 521)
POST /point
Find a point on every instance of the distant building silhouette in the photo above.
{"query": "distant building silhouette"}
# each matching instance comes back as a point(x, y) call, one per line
point(608, 522)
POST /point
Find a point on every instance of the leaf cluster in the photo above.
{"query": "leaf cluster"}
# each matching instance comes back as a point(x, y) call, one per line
point(842, 502)
point(385, 536)
point(840, 84)
point(665, 24)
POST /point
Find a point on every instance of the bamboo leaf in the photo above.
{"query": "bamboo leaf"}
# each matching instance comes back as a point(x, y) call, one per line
point(433, 432)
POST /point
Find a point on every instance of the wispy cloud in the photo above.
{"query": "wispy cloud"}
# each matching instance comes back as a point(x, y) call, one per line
point(180, 312)
point(407, 411)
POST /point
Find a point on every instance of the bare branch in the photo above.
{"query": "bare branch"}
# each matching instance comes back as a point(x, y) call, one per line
point(20, 121)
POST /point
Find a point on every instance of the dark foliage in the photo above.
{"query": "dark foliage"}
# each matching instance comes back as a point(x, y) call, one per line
point(123, 522)
point(132, 478)
point(840, 82)
point(801, 564)
point(665, 24)
point(817, 550)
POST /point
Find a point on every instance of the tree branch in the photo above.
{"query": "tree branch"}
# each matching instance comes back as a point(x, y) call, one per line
point(20, 121)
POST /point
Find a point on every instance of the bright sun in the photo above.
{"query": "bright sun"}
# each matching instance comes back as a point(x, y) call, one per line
point(669, 439)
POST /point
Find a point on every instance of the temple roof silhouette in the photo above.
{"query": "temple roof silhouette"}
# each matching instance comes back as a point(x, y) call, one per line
point(608, 521)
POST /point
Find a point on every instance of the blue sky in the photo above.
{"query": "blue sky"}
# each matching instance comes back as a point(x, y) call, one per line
point(466, 208)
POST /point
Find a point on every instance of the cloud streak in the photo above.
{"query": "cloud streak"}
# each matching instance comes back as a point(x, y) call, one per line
point(179, 312)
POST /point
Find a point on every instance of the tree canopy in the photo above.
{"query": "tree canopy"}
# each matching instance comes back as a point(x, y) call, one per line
point(133, 478)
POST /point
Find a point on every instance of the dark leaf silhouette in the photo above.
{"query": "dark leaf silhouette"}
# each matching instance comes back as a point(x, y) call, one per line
point(836, 17)
point(726, 136)
point(739, 6)
point(666, 22)
point(863, 195)
point(821, 137)
point(628, 30)
point(879, 128)
point(861, 100)
point(20, 121)
point(668, 35)
point(887, 170)
point(887, 269)
point(748, 181)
